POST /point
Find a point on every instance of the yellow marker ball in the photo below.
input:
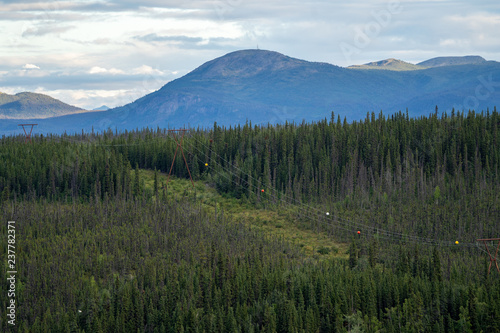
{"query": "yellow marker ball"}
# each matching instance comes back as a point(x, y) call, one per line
point(206, 164)
point(456, 242)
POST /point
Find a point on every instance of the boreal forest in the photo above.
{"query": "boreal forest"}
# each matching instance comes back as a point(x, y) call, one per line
point(369, 226)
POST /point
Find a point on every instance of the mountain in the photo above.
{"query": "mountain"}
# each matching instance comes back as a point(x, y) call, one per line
point(388, 64)
point(101, 108)
point(452, 61)
point(268, 87)
point(27, 105)
point(265, 86)
point(399, 65)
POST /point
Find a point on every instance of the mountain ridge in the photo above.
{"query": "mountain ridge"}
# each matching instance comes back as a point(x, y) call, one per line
point(388, 64)
point(28, 105)
point(400, 65)
point(101, 108)
point(268, 87)
point(231, 64)
point(452, 61)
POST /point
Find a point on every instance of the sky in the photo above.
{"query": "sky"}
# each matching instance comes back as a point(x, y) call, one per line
point(93, 52)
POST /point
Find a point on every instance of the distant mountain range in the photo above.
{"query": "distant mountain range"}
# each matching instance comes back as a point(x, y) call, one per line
point(388, 64)
point(399, 65)
point(452, 61)
point(101, 108)
point(264, 86)
point(28, 105)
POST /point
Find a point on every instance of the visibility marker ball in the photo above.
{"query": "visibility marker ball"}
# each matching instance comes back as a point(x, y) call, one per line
point(456, 242)
point(327, 213)
point(359, 232)
point(206, 164)
point(262, 190)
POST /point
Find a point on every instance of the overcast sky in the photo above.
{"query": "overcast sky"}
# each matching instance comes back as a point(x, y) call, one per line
point(88, 53)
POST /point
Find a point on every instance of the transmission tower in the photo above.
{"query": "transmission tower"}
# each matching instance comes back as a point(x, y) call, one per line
point(179, 145)
point(493, 259)
point(28, 135)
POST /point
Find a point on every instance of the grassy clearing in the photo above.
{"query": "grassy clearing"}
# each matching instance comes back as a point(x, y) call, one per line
point(273, 222)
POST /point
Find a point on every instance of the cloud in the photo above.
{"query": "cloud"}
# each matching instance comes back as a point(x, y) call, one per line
point(145, 69)
point(157, 38)
point(45, 30)
point(30, 66)
point(54, 6)
point(87, 88)
point(102, 41)
point(97, 70)
point(94, 46)
point(192, 43)
point(87, 99)
point(100, 70)
point(454, 43)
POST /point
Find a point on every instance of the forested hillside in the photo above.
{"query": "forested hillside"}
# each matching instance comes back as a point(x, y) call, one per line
point(102, 249)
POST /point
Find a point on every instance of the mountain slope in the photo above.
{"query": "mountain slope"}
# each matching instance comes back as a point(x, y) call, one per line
point(264, 86)
point(28, 105)
point(399, 65)
point(388, 64)
point(260, 86)
point(452, 61)
point(101, 108)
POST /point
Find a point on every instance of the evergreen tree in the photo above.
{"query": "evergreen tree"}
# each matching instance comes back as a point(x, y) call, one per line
point(137, 183)
point(353, 254)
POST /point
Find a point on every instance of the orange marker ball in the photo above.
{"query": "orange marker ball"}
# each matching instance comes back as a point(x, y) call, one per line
point(359, 232)
point(262, 190)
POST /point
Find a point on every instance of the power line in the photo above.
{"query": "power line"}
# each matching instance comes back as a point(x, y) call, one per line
point(256, 185)
point(347, 223)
